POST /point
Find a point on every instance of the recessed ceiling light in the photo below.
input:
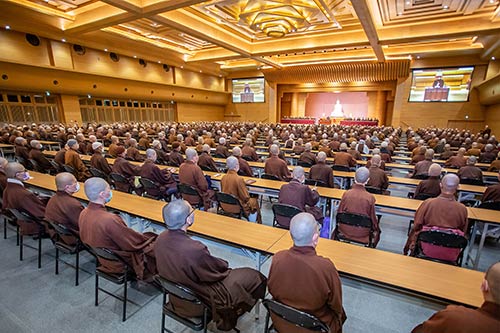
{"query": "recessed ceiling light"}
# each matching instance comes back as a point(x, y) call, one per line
point(408, 3)
point(418, 57)
point(399, 14)
point(105, 50)
point(182, 66)
point(63, 40)
point(493, 58)
point(445, 7)
point(159, 61)
point(7, 27)
point(201, 71)
point(220, 75)
point(135, 56)
point(492, 1)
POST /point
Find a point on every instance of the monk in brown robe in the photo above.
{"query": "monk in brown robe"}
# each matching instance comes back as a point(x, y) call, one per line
point(175, 158)
point(72, 159)
point(221, 150)
point(133, 154)
point(100, 228)
point(163, 178)
point(191, 174)
point(305, 281)
point(470, 171)
point(248, 152)
point(378, 178)
point(233, 184)
point(358, 201)
point(115, 143)
point(297, 194)
point(37, 155)
point(422, 167)
point(97, 160)
point(205, 161)
point(230, 292)
point(245, 169)
point(62, 207)
point(15, 196)
point(443, 211)
point(60, 155)
point(492, 192)
point(126, 169)
point(343, 158)
point(321, 171)
point(432, 185)
point(457, 161)
point(307, 156)
point(3, 176)
point(459, 319)
point(276, 166)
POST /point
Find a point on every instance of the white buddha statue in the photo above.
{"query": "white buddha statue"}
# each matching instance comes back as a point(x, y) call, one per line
point(337, 110)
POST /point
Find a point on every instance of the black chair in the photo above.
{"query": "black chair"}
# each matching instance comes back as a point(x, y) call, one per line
point(205, 168)
point(443, 239)
point(304, 164)
point(247, 158)
point(58, 167)
point(229, 205)
point(189, 192)
point(184, 294)
point(316, 182)
point(354, 220)
point(98, 173)
point(374, 190)
point(293, 316)
point(269, 177)
point(26, 163)
point(494, 205)
point(341, 168)
point(420, 176)
point(151, 189)
point(121, 183)
point(283, 214)
point(219, 156)
point(68, 242)
point(36, 166)
point(121, 278)
point(70, 169)
point(472, 181)
point(21, 215)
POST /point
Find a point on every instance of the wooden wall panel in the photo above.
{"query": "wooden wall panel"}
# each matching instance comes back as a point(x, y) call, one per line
point(199, 112)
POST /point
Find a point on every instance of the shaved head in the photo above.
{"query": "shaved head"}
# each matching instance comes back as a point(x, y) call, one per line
point(362, 175)
point(13, 168)
point(232, 163)
point(274, 150)
point(449, 183)
point(94, 186)
point(376, 160)
point(237, 151)
point(434, 170)
point(64, 179)
point(493, 279)
point(191, 154)
point(175, 214)
point(321, 156)
point(298, 172)
point(303, 227)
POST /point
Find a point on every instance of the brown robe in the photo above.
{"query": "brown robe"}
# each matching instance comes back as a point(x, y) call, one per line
point(422, 167)
point(21, 151)
point(308, 157)
point(15, 196)
point(345, 159)
point(430, 186)
point(99, 228)
point(277, 167)
point(38, 157)
point(191, 174)
point(494, 166)
point(3, 179)
point(291, 276)
point(358, 201)
point(470, 172)
point(72, 158)
point(233, 184)
point(175, 158)
point(492, 193)
point(126, 169)
point(163, 178)
point(64, 209)
point(250, 152)
point(455, 162)
point(301, 196)
point(222, 151)
point(323, 172)
point(228, 291)
point(100, 162)
point(60, 156)
point(443, 211)
point(134, 155)
point(112, 149)
point(245, 169)
point(206, 161)
point(378, 178)
point(459, 319)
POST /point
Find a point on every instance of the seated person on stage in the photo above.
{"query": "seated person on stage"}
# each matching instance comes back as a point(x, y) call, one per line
point(343, 158)
point(378, 178)
point(162, 177)
point(191, 174)
point(276, 166)
point(248, 152)
point(422, 167)
point(321, 171)
point(459, 319)
point(97, 160)
point(492, 192)
point(126, 169)
point(245, 169)
point(3, 176)
point(358, 201)
point(205, 161)
point(233, 184)
point(133, 153)
point(230, 291)
point(300, 269)
point(307, 156)
point(100, 228)
point(297, 194)
point(221, 150)
point(443, 212)
point(15, 196)
point(175, 158)
point(37, 155)
point(62, 207)
point(432, 185)
point(470, 171)
point(457, 161)
point(72, 158)
point(495, 165)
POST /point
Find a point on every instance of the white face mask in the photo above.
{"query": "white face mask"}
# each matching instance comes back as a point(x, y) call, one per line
point(77, 187)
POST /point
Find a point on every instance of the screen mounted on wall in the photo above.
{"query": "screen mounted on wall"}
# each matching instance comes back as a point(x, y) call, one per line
point(441, 84)
point(250, 90)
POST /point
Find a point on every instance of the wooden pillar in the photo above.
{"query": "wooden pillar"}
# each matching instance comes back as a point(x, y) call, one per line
point(70, 107)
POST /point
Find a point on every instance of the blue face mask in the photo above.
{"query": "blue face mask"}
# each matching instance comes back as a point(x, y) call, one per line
point(108, 199)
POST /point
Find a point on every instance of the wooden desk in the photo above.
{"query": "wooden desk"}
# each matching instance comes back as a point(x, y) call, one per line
point(6, 147)
point(417, 276)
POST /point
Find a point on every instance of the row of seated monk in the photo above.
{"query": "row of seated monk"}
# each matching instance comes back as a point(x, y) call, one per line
point(230, 292)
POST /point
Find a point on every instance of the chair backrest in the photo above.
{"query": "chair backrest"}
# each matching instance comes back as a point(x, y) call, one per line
point(148, 183)
point(56, 166)
point(341, 168)
point(205, 168)
point(269, 177)
point(116, 177)
point(187, 189)
point(98, 173)
point(69, 169)
point(420, 176)
point(247, 158)
point(178, 290)
point(283, 214)
point(304, 164)
point(423, 196)
point(356, 220)
point(295, 317)
point(35, 165)
point(441, 238)
point(316, 182)
point(446, 246)
point(494, 205)
point(471, 181)
point(229, 204)
point(374, 190)
point(20, 214)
